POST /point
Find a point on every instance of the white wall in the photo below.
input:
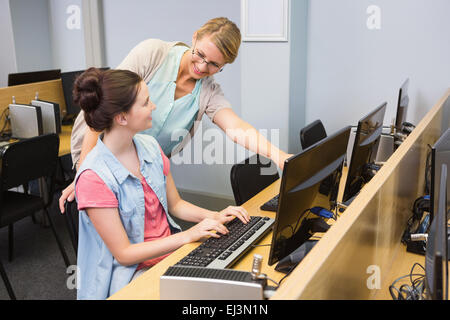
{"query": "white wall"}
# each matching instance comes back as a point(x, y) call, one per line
point(68, 47)
point(30, 21)
point(352, 69)
point(129, 22)
point(47, 34)
point(7, 53)
point(297, 72)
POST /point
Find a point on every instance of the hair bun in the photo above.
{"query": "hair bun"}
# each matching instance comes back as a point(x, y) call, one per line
point(87, 89)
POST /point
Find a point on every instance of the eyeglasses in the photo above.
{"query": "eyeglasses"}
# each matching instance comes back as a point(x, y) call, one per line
point(212, 66)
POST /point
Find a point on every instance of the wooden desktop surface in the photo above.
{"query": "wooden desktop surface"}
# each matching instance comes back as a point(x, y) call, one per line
point(64, 140)
point(404, 262)
point(147, 286)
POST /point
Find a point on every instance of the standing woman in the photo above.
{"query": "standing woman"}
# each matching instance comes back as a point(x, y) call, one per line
point(181, 83)
point(124, 189)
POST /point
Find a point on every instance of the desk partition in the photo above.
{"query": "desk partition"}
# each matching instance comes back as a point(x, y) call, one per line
point(47, 90)
point(356, 257)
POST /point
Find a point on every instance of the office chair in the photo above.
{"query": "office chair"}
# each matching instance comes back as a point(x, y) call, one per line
point(251, 176)
point(65, 173)
point(11, 294)
point(24, 161)
point(71, 218)
point(312, 133)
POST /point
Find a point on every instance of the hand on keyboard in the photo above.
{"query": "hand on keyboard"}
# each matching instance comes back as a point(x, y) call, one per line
point(230, 212)
point(225, 250)
point(206, 228)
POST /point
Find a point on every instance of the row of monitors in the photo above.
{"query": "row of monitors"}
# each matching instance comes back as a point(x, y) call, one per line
point(310, 182)
point(67, 80)
point(311, 178)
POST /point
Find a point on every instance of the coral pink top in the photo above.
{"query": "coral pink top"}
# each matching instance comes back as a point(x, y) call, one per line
point(92, 192)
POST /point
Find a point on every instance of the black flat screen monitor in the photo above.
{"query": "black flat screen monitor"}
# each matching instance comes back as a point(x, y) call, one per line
point(402, 105)
point(440, 154)
point(364, 151)
point(310, 179)
point(436, 256)
point(68, 79)
point(15, 79)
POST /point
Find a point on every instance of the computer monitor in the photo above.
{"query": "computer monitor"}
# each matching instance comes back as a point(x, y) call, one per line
point(15, 79)
point(402, 105)
point(436, 257)
point(440, 154)
point(364, 152)
point(310, 179)
point(68, 79)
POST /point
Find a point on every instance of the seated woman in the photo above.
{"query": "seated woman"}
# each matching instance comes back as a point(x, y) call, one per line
point(124, 189)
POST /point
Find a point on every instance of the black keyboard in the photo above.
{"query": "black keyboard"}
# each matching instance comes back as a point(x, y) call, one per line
point(224, 251)
point(271, 205)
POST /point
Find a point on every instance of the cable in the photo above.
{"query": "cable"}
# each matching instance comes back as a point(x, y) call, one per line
point(428, 171)
point(287, 274)
point(412, 291)
point(5, 134)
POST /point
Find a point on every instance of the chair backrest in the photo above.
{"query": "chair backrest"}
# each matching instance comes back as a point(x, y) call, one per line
point(71, 219)
point(312, 133)
point(28, 160)
point(251, 176)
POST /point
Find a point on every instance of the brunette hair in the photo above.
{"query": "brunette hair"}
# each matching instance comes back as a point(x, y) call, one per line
point(104, 94)
point(224, 34)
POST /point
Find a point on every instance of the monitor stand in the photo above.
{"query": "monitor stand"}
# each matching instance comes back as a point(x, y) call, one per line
point(287, 264)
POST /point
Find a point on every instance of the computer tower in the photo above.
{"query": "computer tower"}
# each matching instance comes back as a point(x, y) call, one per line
point(51, 118)
point(26, 121)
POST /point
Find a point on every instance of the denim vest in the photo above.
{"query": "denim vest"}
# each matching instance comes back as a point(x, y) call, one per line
point(99, 273)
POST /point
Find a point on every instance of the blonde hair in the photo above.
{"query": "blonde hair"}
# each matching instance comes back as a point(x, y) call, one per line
point(224, 34)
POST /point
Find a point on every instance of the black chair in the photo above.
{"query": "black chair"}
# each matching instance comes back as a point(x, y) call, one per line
point(71, 218)
point(251, 176)
point(312, 133)
point(28, 160)
point(65, 173)
point(6, 281)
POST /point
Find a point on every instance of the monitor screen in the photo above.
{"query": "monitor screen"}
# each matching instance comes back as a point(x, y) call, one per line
point(440, 154)
point(364, 151)
point(402, 105)
point(310, 179)
point(436, 256)
point(68, 79)
point(15, 79)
